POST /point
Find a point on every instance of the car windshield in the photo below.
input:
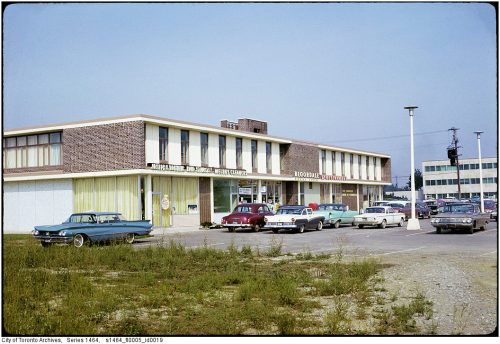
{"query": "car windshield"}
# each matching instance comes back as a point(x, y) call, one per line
point(330, 207)
point(243, 209)
point(82, 218)
point(375, 210)
point(396, 205)
point(458, 208)
point(283, 211)
point(110, 218)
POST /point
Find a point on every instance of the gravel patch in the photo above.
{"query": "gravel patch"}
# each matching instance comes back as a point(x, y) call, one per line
point(463, 290)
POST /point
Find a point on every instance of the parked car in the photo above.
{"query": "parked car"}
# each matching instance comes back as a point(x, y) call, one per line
point(380, 203)
point(297, 218)
point(89, 227)
point(460, 216)
point(247, 215)
point(336, 214)
point(421, 210)
point(397, 206)
point(494, 215)
point(379, 216)
point(432, 205)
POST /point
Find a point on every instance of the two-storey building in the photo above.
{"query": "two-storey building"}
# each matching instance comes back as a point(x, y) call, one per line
point(174, 173)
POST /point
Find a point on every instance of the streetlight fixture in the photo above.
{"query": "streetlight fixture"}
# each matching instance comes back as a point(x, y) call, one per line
point(413, 223)
point(478, 133)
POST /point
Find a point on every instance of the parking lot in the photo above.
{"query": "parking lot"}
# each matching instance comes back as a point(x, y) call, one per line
point(352, 241)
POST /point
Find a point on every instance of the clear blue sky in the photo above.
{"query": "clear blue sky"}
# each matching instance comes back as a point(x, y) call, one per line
point(331, 73)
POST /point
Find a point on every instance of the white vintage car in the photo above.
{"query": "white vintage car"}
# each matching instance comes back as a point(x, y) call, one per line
point(379, 216)
point(297, 218)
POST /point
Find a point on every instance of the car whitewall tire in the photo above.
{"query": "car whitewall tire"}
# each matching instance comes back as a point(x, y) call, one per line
point(129, 239)
point(320, 226)
point(78, 240)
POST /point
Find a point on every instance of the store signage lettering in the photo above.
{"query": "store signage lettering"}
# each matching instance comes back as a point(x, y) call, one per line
point(314, 175)
point(198, 169)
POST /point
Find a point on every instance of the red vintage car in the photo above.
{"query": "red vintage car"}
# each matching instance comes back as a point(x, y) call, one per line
point(247, 215)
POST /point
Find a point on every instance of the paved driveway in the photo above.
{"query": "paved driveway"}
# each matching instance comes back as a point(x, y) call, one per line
point(352, 241)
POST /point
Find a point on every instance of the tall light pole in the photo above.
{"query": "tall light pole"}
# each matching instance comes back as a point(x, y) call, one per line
point(478, 133)
point(413, 223)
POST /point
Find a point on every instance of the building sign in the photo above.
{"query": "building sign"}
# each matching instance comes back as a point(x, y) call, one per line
point(245, 191)
point(312, 175)
point(197, 169)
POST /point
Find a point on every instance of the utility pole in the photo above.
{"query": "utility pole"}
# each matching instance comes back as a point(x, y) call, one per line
point(454, 149)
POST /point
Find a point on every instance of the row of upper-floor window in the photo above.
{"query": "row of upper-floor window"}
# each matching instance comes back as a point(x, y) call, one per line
point(163, 153)
point(462, 195)
point(463, 181)
point(343, 172)
point(33, 150)
point(441, 168)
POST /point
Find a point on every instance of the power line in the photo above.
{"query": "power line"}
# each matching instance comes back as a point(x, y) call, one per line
point(390, 137)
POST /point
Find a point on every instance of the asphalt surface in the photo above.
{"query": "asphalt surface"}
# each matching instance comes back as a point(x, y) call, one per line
point(350, 241)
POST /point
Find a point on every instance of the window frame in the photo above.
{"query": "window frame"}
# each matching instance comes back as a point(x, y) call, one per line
point(222, 151)
point(163, 152)
point(184, 147)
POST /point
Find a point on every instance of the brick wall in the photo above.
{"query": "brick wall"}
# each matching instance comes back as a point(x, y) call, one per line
point(107, 147)
point(299, 157)
point(247, 124)
point(386, 170)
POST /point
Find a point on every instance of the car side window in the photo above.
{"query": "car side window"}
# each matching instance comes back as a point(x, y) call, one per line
point(266, 209)
point(309, 211)
point(260, 210)
point(304, 212)
point(75, 219)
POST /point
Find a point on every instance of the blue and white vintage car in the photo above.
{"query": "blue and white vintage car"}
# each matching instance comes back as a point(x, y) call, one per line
point(89, 227)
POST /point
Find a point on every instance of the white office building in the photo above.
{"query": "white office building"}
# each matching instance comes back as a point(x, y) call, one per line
point(441, 180)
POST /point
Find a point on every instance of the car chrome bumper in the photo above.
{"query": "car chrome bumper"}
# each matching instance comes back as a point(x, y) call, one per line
point(54, 240)
point(282, 226)
point(367, 223)
point(236, 225)
point(453, 225)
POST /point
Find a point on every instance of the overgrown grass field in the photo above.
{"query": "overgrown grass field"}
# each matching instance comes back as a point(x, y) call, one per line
point(173, 290)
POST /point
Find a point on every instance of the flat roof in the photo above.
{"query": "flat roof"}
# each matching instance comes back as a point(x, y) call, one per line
point(181, 124)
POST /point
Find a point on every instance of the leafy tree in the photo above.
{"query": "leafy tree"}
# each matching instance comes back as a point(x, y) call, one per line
point(419, 180)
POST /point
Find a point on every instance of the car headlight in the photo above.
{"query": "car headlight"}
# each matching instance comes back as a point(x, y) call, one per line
point(293, 220)
point(469, 220)
point(35, 232)
point(265, 219)
point(62, 233)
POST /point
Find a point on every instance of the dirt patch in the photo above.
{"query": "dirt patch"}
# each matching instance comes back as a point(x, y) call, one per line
point(463, 290)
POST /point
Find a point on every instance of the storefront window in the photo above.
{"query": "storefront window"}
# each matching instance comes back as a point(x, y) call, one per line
point(271, 193)
point(120, 194)
point(302, 200)
point(336, 193)
point(225, 198)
